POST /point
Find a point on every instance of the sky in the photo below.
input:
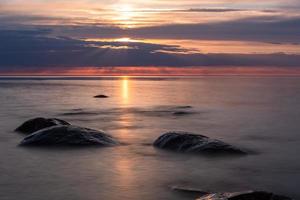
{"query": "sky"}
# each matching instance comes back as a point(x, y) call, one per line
point(153, 37)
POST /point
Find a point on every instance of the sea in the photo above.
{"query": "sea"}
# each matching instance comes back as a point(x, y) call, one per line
point(258, 114)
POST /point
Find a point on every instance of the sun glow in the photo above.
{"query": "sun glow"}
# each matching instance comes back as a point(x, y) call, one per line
point(124, 40)
point(125, 15)
point(125, 8)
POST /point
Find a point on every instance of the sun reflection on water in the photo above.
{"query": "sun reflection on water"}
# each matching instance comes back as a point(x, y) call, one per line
point(125, 90)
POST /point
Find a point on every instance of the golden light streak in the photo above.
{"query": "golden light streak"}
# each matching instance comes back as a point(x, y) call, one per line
point(124, 40)
point(125, 90)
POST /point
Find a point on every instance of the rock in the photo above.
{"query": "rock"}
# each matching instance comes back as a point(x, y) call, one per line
point(189, 190)
point(68, 135)
point(180, 113)
point(37, 124)
point(191, 143)
point(249, 195)
point(101, 96)
point(79, 113)
point(183, 107)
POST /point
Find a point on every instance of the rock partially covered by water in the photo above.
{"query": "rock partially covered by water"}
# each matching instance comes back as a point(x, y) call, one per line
point(66, 135)
point(250, 195)
point(101, 96)
point(245, 195)
point(189, 190)
point(181, 113)
point(39, 123)
point(191, 143)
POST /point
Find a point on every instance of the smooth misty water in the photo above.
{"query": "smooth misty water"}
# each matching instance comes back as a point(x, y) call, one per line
point(260, 114)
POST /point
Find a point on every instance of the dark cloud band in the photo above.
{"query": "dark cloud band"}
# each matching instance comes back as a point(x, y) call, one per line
point(27, 49)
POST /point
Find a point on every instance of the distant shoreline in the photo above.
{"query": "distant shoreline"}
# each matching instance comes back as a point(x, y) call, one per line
point(104, 77)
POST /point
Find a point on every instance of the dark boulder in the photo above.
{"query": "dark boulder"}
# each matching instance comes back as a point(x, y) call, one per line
point(180, 113)
point(192, 143)
point(39, 123)
point(189, 191)
point(66, 135)
point(249, 195)
point(101, 96)
point(245, 195)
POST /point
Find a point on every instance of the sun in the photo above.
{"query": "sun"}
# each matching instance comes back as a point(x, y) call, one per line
point(125, 15)
point(125, 40)
point(125, 8)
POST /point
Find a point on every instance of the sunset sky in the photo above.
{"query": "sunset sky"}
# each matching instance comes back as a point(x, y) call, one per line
point(153, 37)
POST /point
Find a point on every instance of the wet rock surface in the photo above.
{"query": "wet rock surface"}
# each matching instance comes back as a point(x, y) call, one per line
point(249, 195)
point(101, 96)
point(69, 135)
point(39, 123)
point(199, 194)
point(185, 142)
point(189, 190)
point(181, 113)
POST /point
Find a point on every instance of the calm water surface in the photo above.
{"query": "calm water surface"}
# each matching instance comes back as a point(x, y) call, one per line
point(260, 114)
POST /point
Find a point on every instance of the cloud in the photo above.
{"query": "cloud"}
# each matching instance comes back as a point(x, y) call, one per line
point(271, 29)
point(35, 49)
point(131, 14)
point(52, 34)
point(204, 10)
point(265, 29)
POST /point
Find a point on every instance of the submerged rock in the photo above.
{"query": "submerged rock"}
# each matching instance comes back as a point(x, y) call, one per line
point(245, 195)
point(69, 135)
point(184, 107)
point(191, 143)
point(180, 113)
point(39, 123)
point(189, 190)
point(249, 195)
point(101, 96)
point(79, 113)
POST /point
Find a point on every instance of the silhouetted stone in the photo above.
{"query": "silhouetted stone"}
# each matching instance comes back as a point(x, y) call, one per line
point(183, 107)
point(249, 195)
point(39, 123)
point(101, 96)
point(180, 113)
point(191, 143)
point(189, 190)
point(68, 135)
